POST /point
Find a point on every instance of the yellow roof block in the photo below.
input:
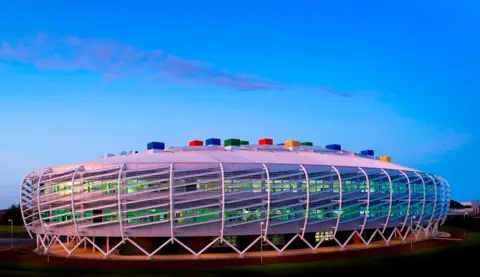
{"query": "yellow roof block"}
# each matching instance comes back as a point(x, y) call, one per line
point(387, 159)
point(292, 144)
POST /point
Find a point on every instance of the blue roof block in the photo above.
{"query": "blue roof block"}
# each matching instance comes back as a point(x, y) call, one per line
point(367, 152)
point(336, 147)
point(155, 145)
point(213, 142)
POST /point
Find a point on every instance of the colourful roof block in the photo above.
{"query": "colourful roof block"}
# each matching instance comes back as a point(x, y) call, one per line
point(292, 144)
point(213, 142)
point(155, 145)
point(306, 143)
point(265, 141)
point(336, 147)
point(387, 159)
point(195, 143)
point(232, 142)
point(367, 152)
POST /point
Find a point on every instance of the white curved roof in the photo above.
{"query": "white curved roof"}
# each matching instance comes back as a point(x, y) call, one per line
point(249, 155)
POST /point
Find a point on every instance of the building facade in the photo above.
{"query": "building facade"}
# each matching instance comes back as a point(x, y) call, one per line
point(225, 193)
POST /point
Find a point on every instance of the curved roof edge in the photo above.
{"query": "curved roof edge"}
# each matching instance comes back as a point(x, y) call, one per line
point(344, 159)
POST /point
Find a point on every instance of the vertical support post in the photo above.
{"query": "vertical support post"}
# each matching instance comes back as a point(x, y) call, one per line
point(439, 218)
point(409, 200)
point(307, 207)
point(367, 208)
point(222, 203)
point(85, 244)
point(72, 194)
point(267, 223)
point(119, 200)
point(261, 242)
point(447, 200)
point(391, 201)
point(339, 201)
point(434, 202)
point(93, 246)
point(108, 244)
point(21, 205)
point(424, 201)
point(172, 209)
point(38, 198)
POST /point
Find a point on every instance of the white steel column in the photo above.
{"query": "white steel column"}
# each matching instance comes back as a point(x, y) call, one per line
point(368, 201)
point(267, 223)
point(391, 201)
point(437, 221)
point(172, 212)
point(409, 199)
point(447, 200)
point(307, 207)
point(38, 198)
point(434, 202)
point(424, 200)
point(119, 199)
point(339, 201)
point(222, 227)
point(21, 207)
point(72, 193)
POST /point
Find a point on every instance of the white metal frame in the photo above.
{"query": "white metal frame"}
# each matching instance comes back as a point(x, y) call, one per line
point(21, 205)
point(409, 200)
point(367, 182)
point(222, 228)
point(172, 208)
point(46, 240)
point(339, 201)
point(385, 225)
point(269, 192)
point(38, 198)
point(307, 205)
point(72, 194)
point(424, 201)
point(119, 198)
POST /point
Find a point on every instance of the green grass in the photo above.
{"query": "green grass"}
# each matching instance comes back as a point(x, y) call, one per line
point(452, 229)
point(16, 229)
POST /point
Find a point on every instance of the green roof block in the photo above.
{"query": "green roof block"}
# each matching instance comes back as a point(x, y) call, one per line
point(244, 142)
point(232, 142)
point(306, 143)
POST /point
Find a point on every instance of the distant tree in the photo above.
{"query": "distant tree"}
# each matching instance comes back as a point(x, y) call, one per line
point(455, 205)
point(12, 213)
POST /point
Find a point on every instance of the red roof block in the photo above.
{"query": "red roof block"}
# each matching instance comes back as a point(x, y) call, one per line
point(196, 143)
point(265, 141)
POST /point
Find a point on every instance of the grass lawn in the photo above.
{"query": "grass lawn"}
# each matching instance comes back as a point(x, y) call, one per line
point(457, 258)
point(16, 229)
point(452, 229)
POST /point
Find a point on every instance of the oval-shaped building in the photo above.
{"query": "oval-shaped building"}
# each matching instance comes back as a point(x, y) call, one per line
point(217, 193)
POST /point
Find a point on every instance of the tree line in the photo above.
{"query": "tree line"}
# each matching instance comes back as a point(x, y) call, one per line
point(14, 213)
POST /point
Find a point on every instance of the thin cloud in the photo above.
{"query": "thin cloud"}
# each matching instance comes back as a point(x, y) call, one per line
point(114, 60)
point(339, 93)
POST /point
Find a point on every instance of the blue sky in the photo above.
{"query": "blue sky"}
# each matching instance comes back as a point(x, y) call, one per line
point(79, 79)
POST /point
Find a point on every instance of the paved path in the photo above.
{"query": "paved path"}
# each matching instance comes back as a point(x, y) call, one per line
point(6, 243)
